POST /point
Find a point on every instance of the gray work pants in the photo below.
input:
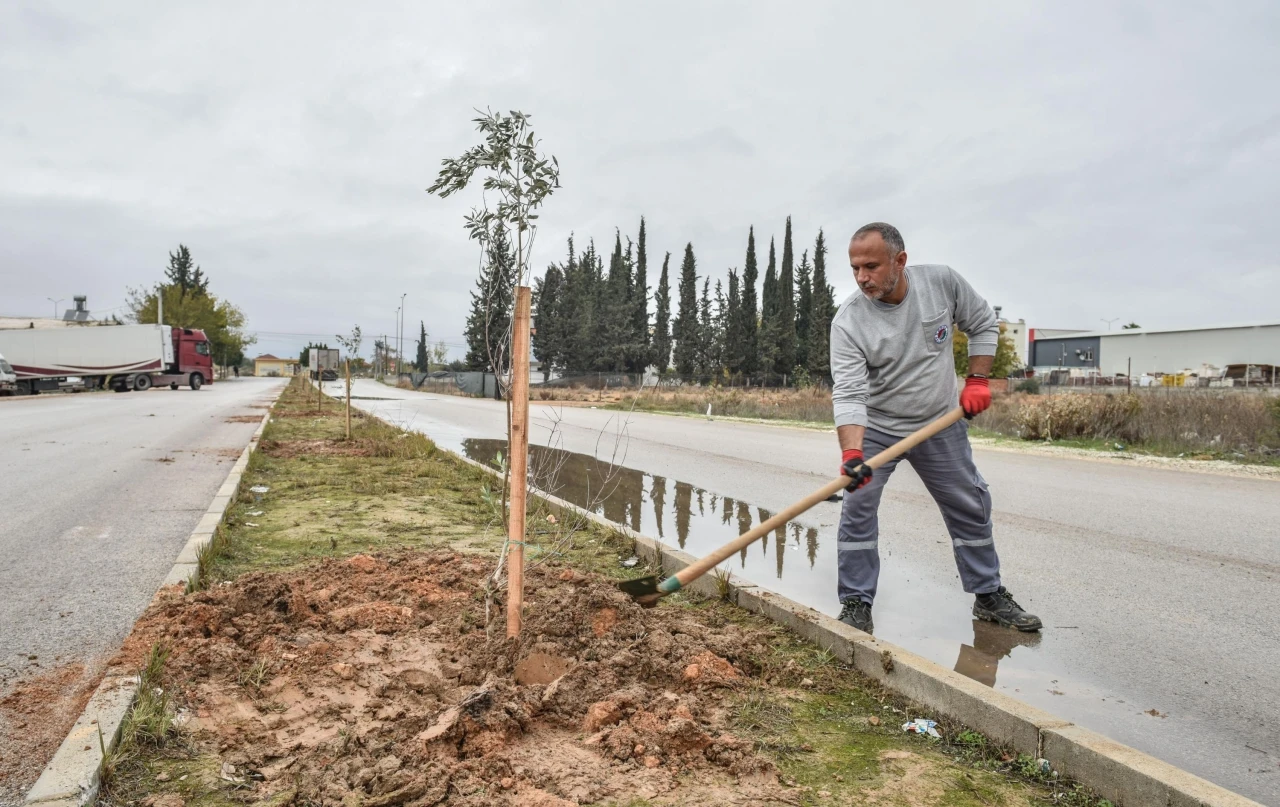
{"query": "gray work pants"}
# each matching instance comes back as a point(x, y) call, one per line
point(944, 463)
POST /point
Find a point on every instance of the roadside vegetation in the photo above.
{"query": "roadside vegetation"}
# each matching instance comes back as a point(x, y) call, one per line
point(1232, 426)
point(387, 508)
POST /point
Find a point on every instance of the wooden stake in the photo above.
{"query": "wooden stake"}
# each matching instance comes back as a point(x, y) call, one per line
point(348, 399)
point(518, 448)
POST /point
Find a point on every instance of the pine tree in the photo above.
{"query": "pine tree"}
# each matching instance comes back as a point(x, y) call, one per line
point(662, 320)
point(823, 309)
point(749, 310)
point(546, 311)
point(686, 324)
point(640, 307)
point(182, 273)
point(804, 302)
point(420, 359)
point(785, 363)
point(488, 330)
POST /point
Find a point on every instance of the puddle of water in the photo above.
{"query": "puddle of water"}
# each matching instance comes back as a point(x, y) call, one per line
point(797, 560)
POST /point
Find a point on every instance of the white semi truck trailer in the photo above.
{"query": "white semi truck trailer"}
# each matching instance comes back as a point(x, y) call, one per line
point(119, 357)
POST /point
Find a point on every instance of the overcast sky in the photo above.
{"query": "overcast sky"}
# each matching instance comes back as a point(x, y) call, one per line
point(1076, 161)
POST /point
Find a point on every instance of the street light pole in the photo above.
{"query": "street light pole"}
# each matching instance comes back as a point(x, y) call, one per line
point(55, 305)
point(400, 358)
point(395, 329)
point(1109, 321)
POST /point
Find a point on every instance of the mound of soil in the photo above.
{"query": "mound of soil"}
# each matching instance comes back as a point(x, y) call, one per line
point(372, 681)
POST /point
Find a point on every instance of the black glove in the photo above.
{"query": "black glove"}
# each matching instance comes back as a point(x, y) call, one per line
point(855, 469)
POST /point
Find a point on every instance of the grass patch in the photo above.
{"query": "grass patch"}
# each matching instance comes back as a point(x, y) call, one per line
point(149, 724)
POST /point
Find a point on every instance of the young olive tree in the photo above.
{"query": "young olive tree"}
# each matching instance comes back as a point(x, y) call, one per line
point(517, 179)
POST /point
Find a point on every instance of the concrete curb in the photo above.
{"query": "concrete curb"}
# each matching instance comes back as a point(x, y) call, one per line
point(73, 776)
point(1123, 775)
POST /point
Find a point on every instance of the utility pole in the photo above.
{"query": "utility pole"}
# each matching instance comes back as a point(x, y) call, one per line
point(400, 349)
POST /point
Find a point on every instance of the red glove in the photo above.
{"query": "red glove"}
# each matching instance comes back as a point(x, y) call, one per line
point(976, 395)
point(851, 466)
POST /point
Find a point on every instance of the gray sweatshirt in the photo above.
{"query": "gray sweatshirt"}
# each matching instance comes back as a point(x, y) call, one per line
point(892, 364)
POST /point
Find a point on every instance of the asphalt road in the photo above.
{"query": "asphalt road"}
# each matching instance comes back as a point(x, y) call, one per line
point(98, 494)
point(1160, 589)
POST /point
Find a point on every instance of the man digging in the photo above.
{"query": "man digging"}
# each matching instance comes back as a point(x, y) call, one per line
point(891, 361)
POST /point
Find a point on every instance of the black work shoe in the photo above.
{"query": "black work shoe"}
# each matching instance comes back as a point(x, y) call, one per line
point(857, 614)
point(1000, 608)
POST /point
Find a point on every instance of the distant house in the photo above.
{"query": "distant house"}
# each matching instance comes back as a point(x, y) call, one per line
point(268, 365)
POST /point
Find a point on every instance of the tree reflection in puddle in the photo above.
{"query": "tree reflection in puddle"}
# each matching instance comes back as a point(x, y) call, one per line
point(699, 520)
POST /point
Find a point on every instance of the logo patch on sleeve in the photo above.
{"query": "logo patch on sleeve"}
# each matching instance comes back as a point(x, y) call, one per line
point(940, 335)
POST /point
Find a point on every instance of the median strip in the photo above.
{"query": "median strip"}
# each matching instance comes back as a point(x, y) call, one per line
point(362, 581)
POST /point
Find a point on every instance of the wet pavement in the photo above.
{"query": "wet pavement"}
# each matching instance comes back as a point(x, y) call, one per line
point(1160, 590)
point(796, 560)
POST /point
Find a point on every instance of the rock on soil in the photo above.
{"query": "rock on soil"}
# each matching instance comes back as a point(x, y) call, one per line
point(381, 687)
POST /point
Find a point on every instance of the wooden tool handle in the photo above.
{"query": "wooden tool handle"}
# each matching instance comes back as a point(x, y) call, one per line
point(700, 567)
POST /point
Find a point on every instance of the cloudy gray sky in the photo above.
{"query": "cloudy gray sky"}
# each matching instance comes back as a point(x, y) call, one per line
point(1077, 161)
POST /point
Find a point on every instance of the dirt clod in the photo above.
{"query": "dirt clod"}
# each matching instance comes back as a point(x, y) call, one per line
point(383, 687)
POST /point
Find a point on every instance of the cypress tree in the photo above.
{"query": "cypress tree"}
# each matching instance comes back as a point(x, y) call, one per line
point(686, 325)
point(613, 322)
point(823, 309)
point(662, 320)
point(769, 289)
point(488, 328)
point(749, 309)
point(546, 298)
point(767, 343)
point(733, 327)
point(640, 306)
point(580, 325)
point(706, 333)
point(719, 325)
point(804, 302)
point(786, 302)
point(420, 359)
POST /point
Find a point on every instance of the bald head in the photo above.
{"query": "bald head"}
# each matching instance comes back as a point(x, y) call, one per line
point(878, 258)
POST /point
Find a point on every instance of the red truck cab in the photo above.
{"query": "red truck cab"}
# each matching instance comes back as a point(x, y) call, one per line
point(192, 359)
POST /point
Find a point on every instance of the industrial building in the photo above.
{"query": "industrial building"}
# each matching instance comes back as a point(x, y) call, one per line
point(1216, 351)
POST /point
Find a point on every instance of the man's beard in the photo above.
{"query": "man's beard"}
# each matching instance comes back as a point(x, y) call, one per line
point(880, 291)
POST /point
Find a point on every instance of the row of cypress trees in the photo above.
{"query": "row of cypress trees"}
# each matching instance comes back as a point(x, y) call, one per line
point(593, 313)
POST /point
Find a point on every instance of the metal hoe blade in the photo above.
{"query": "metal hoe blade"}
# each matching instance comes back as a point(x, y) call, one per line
point(640, 587)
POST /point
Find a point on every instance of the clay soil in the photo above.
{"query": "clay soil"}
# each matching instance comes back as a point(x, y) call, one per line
point(371, 681)
point(35, 715)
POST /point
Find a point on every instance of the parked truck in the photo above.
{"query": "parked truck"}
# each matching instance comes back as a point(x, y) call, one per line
point(8, 378)
point(117, 357)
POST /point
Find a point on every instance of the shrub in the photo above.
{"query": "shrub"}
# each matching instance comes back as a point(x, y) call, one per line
point(1079, 416)
point(1171, 421)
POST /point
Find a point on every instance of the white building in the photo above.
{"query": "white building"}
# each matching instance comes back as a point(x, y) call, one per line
point(1151, 351)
